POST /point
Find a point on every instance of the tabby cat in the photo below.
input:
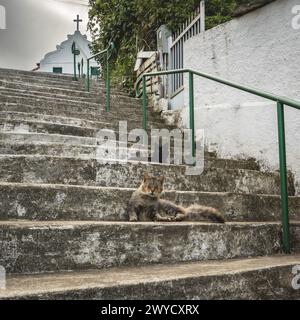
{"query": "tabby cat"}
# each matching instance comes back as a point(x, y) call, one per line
point(145, 205)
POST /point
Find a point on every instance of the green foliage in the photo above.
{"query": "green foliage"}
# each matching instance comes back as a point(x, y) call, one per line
point(132, 25)
point(218, 11)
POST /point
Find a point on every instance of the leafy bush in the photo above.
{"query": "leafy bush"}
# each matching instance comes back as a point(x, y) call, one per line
point(132, 24)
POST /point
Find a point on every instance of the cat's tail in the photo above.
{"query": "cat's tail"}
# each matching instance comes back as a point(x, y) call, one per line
point(200, 213)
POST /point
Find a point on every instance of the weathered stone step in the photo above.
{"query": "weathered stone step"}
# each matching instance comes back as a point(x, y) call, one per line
point(19, 116)
point(104, 122)
point(81, 85)
point(42, 100)
point(49, 79)
point(85, 151)
point(66, 126)
point(31, 126)
point(59, 170)
point(36, 79)
point(64, 97)
point(29, 247)
point(14, 138)
point(59, 82)
point(116, 114)
point(239, 279)
point(46, 88)
point(69, 202)
point(23, 126)
point(45, 138)
point(56, 106)
point(48, 75)
point(10, 102)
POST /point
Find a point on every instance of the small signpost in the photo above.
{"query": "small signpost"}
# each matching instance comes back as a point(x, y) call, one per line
point(75, 53)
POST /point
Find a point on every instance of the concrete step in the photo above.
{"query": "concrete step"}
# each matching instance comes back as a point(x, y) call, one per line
point(11, 142)
point(104, 121)
point(74, 151)
point(58, 90)
point(51, 79)
point(36, 247)
point(16, 123)
point(7, 138)
point(119, 110)
point(14, 72)
point(68, 97)
point(75, 127)
point(70, 202)
point(116, 114)
point(239, 279)
point(19, 116)
point(35, 147)
point(23, 126)
point(92, 172)
point(61, 81)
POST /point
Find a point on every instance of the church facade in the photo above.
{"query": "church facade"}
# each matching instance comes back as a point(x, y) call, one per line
point(62, 59)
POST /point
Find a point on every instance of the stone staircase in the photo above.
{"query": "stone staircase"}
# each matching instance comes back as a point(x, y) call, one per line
point(63, 228)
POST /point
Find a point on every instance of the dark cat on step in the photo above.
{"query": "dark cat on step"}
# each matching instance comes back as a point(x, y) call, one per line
point(145, 205)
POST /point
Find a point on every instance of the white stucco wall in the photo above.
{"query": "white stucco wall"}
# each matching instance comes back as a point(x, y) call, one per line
point(260, 49)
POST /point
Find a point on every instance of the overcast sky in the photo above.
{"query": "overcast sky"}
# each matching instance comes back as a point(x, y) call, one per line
point(35, 27)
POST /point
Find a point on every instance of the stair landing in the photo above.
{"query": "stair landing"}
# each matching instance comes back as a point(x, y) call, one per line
point(256, 278)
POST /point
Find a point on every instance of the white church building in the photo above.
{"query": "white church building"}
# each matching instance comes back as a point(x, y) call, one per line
point(62, 59)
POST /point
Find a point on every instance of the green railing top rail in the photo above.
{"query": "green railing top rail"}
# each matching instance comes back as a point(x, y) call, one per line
point(110, 48)
point(249, 89)
point(97, 54)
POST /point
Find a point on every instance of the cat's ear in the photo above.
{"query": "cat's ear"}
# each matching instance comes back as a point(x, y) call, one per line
point(162, 179)
point(146, 176)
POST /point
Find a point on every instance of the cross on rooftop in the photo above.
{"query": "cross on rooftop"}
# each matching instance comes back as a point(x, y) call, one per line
point(78, 21)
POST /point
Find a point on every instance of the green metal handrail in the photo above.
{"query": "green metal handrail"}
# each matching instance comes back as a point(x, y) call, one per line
point(281, 102)
point(108, 51)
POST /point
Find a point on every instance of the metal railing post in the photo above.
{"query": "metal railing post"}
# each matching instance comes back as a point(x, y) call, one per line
point(74, 57)
point(107, 83)
point(82, 67)
point(192, 111)
point(107, 76)
point(88, 75)
point(283, 179)
point(145, 124)
point(74, 60)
